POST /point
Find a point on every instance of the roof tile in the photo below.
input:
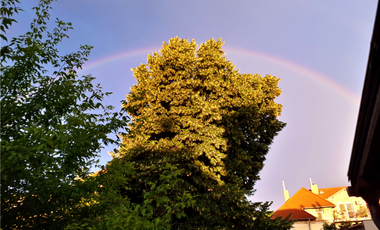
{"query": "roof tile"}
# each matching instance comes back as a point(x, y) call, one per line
point(306, 199)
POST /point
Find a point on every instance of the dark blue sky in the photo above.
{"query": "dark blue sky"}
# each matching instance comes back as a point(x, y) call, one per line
point(319, 49)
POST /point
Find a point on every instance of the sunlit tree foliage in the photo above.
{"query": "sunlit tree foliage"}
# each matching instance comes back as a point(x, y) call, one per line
point(192, 108)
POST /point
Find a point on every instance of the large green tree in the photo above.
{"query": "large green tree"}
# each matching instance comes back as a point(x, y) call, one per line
point(108, 208)
point(53, 123)
point(192, 108)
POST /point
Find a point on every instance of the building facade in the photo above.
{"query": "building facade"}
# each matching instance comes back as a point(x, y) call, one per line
point(311, 208)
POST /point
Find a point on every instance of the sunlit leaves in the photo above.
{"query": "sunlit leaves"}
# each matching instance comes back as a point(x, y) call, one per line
point(191, 107)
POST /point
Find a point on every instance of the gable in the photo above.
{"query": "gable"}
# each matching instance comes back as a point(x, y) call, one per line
point(328, 192)
point(304, 199)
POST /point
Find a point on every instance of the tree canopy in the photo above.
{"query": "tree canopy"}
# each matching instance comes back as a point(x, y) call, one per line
point(53, 123)
point(192, 108)
point(193, 151)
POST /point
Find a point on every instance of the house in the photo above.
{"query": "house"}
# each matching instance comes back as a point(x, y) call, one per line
point(311, 208)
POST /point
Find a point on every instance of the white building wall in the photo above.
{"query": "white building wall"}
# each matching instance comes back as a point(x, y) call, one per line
point(306, 225)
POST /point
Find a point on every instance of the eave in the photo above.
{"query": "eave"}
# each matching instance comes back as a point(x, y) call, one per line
point(364, 168)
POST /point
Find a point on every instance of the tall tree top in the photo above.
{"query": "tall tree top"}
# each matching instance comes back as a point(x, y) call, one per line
point(195, 100)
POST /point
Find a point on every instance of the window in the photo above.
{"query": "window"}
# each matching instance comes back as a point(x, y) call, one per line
point(347, 208)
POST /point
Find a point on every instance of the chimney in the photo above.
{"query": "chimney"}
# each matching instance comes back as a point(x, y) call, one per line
point(286, 192)
point(313, 187)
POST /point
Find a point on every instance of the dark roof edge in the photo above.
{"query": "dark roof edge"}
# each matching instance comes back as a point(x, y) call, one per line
point(370, 88)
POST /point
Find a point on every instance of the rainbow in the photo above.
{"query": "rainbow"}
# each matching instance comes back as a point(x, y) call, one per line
point(311, 74)
point(119, 56)
point(314, 75)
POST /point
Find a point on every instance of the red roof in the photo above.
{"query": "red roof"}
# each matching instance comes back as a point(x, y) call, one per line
point(303, 199)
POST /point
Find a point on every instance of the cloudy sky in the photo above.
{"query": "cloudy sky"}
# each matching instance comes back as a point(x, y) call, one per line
point(319, 49)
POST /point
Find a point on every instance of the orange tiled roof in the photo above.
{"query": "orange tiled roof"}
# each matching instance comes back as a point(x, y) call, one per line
point(295, 214)
point(327, 192)
point(306, 199)
point(303, 199)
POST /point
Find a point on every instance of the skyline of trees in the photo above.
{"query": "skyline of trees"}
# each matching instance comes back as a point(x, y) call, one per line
point(188, 158)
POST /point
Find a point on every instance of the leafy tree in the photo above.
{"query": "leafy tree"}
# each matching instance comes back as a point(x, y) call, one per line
point(192, 108)
point(107, 208)
point(53, 123)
